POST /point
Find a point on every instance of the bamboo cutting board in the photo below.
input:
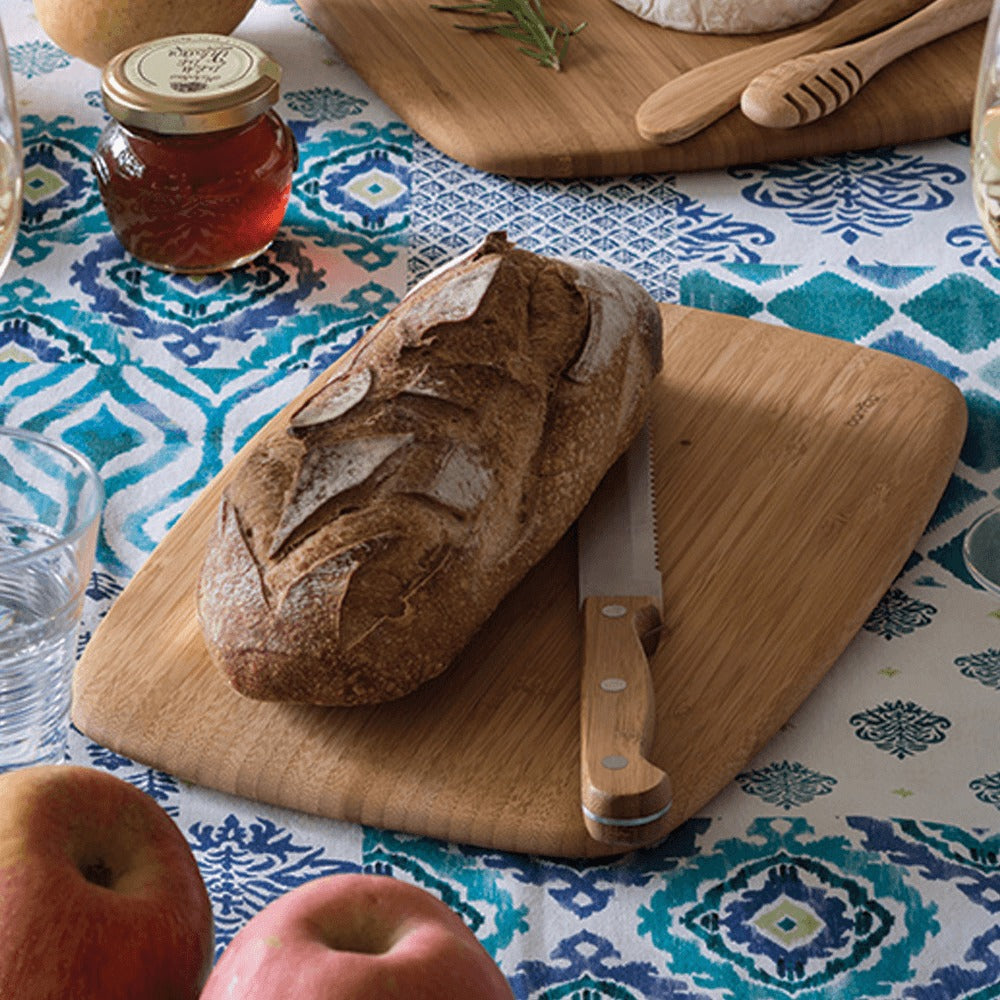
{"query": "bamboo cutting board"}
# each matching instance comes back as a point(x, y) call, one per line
point(794, 475)
point(477, 99)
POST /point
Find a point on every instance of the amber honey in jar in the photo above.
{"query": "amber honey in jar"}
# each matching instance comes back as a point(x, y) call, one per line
point(195, 167)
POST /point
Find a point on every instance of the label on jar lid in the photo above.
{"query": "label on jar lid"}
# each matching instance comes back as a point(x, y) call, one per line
point(192, 64)
point(190, 83)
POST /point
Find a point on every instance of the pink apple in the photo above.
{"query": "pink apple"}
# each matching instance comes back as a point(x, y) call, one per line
point(100, 895)
point(356, 937)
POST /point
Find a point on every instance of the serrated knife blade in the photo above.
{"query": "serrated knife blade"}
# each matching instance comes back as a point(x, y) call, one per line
point(624, 797)
point(617, 529)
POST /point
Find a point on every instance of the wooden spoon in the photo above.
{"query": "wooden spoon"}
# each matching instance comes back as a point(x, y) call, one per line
point(804, 89)
point(692, 101)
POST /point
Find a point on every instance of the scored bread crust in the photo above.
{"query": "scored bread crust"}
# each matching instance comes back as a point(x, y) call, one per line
point(357, 552)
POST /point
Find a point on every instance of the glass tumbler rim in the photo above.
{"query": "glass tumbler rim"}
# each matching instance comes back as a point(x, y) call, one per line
point(7, 72)
point(96, 500)
point(15, 139)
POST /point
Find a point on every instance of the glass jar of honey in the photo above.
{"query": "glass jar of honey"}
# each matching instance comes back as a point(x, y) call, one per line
point(195, 167)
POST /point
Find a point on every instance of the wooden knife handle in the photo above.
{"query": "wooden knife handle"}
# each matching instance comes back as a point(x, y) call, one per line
point(625, 798)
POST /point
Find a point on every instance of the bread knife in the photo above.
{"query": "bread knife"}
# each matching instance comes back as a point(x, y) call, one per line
point(624, 797)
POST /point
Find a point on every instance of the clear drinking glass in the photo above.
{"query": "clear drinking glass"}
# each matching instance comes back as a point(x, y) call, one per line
point(981, 547)
point(11, 160)
point(50, 506)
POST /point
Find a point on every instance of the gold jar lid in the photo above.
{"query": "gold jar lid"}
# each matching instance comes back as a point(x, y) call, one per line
point(190, 83)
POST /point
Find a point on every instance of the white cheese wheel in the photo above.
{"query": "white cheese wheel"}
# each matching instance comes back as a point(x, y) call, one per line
point(726, 17)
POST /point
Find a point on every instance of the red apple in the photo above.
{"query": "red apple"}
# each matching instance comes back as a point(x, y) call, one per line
point(356, 937)
point(100, 895)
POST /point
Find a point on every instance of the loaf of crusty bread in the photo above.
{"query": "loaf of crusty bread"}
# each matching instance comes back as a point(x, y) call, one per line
point(359, 550)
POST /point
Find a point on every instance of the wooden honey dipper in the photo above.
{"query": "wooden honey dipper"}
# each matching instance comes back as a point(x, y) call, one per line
point(811, 86)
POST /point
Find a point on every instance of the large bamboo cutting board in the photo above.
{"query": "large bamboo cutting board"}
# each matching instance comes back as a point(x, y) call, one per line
point(479, 100)
point(794, 475)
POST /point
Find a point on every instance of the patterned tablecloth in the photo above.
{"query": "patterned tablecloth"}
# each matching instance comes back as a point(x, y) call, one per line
point(857, 856)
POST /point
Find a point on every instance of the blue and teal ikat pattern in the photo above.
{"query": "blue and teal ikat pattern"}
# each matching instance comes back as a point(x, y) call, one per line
point(786, 784)
point(855, 194)
point(987, 788)
point(856, 856)
point(901, 728)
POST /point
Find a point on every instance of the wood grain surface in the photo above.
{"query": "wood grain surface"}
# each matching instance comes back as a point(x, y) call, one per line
point(477, 99)
point(794, 475)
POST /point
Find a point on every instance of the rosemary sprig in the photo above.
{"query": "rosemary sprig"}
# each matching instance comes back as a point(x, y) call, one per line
point(524, 22)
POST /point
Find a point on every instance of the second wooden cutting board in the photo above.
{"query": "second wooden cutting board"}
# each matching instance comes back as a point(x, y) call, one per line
point(794, 475)
point(480, 101)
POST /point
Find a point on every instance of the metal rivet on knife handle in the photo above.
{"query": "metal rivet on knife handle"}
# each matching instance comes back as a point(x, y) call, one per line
point(625, 798)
